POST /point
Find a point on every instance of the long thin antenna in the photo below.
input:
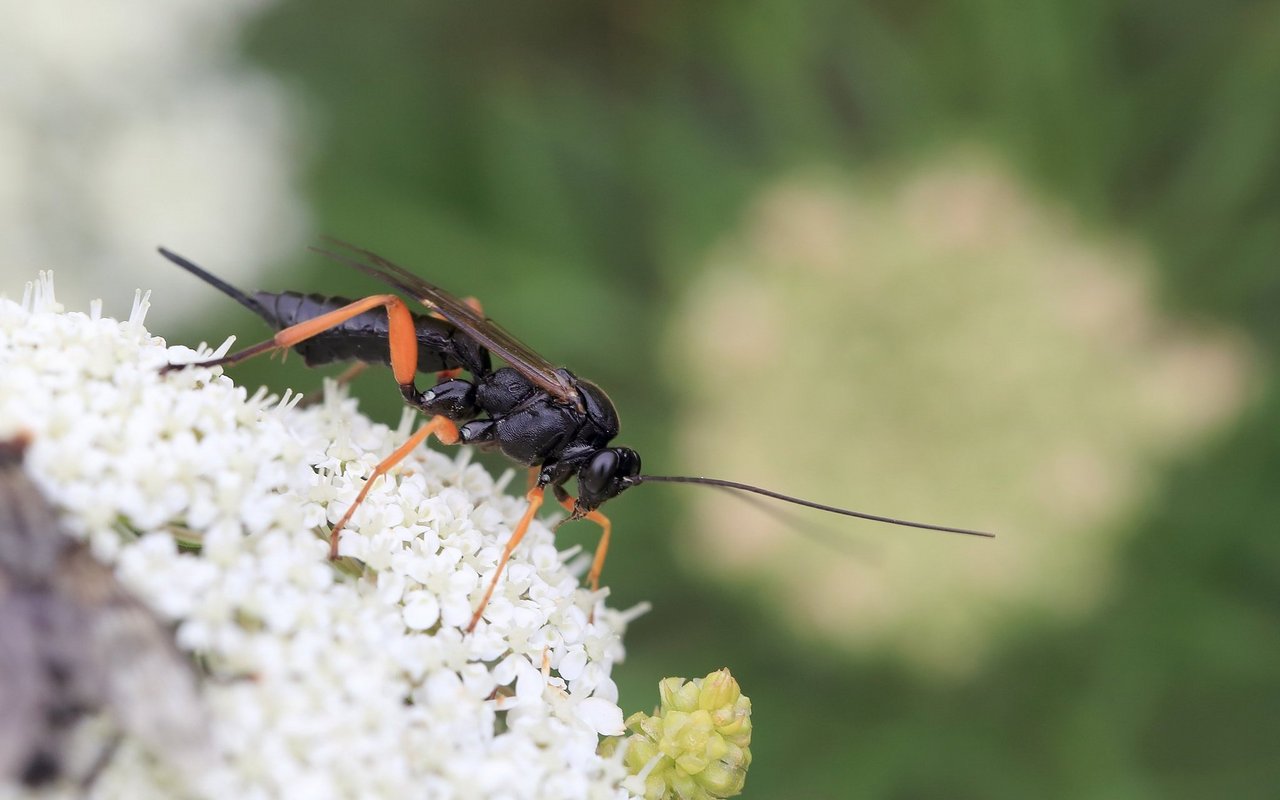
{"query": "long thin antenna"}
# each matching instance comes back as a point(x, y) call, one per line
point(746, 487)
point(820, 533)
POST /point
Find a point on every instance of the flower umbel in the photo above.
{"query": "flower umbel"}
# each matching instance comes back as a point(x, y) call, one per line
point(211, 505)
point(696, 746)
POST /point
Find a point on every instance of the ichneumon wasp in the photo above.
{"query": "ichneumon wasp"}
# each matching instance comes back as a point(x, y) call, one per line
point(535, 413)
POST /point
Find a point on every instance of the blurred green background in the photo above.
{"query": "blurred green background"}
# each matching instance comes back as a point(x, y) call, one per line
point(575, 165)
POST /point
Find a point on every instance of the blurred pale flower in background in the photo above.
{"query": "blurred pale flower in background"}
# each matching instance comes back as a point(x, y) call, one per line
point(939, 346)
point(128, 124)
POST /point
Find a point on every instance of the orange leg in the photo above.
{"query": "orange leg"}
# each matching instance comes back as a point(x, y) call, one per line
point(445, 431)
point(402, 337)
point(535, 502)
point(606, 528)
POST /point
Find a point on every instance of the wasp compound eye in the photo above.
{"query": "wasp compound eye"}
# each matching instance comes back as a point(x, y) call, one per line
point(598, 472)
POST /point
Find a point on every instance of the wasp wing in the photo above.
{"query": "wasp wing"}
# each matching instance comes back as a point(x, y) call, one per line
point(536, 369)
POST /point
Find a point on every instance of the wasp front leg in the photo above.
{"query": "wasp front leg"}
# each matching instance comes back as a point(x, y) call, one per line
point(534, 496)
point(606, 530)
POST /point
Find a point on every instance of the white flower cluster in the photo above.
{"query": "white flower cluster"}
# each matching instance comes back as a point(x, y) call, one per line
point(323, 683)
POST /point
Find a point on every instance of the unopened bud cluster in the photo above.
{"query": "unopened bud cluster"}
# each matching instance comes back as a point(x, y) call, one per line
point(697, 744)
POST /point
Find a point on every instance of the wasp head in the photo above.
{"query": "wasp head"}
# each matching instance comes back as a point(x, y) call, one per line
point(602, 476)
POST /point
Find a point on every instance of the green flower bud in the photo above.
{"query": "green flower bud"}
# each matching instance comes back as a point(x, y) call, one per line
point(696, 746)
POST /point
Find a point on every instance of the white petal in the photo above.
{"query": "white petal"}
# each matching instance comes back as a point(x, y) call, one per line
point(603, 717)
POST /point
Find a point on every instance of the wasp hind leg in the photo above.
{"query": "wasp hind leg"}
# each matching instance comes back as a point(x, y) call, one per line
point(402, 338)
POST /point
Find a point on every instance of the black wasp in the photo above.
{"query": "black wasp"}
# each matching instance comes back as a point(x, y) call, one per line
point(534, 412)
